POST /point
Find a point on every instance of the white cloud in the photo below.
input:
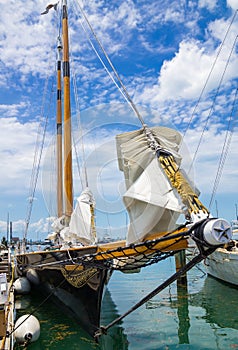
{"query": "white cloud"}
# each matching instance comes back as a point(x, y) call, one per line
point(173, 15)
point(233, 4)
point(188, 70)
point(11, 110)
point(36, 230)
point(208, 157)
point(185, 75)
point(23, 33)
point(17, 144)
point(209, 4)
point(112, 22)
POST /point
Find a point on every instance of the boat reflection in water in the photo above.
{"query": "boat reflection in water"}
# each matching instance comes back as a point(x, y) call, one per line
point(115, 338)
point(219, 300)
point(201, 314)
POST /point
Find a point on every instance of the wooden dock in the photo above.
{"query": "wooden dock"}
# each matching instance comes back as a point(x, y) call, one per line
point(7, 304)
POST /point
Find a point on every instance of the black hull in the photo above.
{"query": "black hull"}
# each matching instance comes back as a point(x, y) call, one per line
point(76, 289)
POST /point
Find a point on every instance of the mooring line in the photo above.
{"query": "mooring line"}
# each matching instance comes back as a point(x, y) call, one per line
point(41, 304)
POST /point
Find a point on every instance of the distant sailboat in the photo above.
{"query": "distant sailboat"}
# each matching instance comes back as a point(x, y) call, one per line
point(76, 268)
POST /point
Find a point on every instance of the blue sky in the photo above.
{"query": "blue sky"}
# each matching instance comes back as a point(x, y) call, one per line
point(163, 51)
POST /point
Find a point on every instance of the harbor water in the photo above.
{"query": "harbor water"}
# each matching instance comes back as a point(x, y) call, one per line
point(203, 316)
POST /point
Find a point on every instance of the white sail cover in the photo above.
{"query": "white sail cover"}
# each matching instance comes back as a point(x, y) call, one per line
point(153, 205)
point(80, 226)
point(79, 231)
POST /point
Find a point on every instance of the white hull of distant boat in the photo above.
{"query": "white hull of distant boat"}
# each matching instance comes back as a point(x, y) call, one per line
point(223, 265)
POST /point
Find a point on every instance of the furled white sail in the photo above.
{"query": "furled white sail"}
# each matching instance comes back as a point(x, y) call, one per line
point(80, 226)
point(80, 230)
point(153, 205)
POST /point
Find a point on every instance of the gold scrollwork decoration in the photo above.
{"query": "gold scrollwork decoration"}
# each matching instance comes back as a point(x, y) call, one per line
point(78, 278)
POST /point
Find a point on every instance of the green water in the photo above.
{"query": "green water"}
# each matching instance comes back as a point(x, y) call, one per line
point(203, 317)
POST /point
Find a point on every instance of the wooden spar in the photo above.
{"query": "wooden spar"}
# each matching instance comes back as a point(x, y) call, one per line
point(68, 180)
point(59, 135)
point(104, 250)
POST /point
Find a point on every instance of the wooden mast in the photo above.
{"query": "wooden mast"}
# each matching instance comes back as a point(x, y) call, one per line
point(59, 134)
point(68, 181)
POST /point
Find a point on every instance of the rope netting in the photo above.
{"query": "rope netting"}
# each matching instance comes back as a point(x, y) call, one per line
point(122, 258)
point(126, 263)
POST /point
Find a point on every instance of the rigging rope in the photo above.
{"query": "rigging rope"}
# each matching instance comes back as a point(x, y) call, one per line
point(39, 306)
point(101, 60)
point(171, 279)
point(81, 138)
point(213, 104)
point(189, 198)
point(36, 163)
point(124, 90)
point(209, 75)
point(121, 258)
point(39, 147)
point(225, 149)
point(89, 260)
point(84, 165)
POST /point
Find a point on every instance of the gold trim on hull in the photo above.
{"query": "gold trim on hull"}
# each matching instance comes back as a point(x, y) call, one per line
point(78, 278)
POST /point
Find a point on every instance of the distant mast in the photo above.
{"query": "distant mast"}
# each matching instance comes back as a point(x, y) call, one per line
point(8, 239)
point(59, 134)
point(68, 180)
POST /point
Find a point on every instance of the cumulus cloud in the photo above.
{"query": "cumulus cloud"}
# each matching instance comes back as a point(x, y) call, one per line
point(208, 158)
point(188, 70)
point(17, 144)
point(37, 230)
point(209, 4)
point(24, 36)
point(233, 4)
point(191, 67)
